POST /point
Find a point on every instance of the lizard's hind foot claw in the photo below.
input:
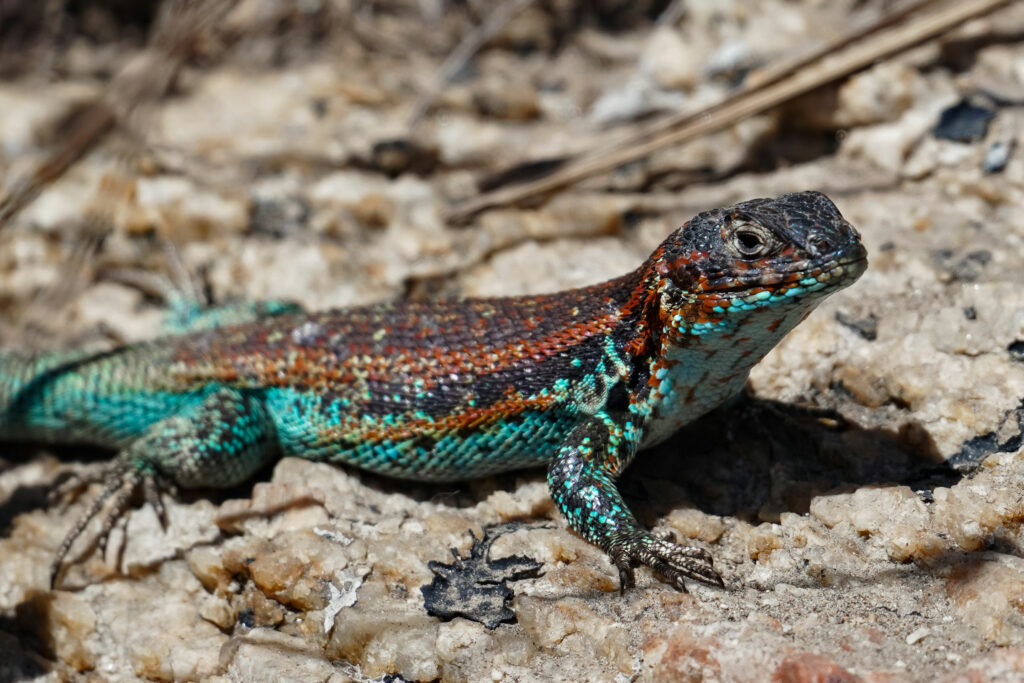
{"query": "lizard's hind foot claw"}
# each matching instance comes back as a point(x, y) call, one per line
point(122, 482)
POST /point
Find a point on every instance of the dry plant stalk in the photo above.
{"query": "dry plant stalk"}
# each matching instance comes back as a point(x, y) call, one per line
point(848, 54)
point(464, 51)
point(143, 80)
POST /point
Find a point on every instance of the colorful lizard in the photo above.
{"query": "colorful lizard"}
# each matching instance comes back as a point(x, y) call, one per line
point(578, 381)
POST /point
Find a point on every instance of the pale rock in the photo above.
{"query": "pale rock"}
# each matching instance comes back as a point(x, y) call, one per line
point(987, 593)
point(669, 60)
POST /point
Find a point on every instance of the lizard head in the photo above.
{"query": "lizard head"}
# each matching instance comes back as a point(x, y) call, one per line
point(783, 253)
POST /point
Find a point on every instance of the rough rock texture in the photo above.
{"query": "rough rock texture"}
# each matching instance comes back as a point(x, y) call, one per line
point(883, 547)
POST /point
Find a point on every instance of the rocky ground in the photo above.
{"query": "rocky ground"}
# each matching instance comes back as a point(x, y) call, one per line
point(884, 547)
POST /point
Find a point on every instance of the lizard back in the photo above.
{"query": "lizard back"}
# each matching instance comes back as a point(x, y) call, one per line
point(441, 390)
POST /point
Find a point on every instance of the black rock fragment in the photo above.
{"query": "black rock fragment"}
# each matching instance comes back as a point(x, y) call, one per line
point(866, 328)
point(1008, 438)
point(964, 122)
point(1016, 349)
point(476, 587)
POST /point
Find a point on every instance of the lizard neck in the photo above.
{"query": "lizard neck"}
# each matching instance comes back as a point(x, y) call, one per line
point(694, 372)
point(694, 355)
point(640, 325)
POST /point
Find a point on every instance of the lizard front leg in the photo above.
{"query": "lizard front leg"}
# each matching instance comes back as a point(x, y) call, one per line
point(581, 479)
point(220, 441)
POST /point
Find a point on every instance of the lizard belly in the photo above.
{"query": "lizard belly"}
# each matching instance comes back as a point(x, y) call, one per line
point(76, 397)
point(411, 444)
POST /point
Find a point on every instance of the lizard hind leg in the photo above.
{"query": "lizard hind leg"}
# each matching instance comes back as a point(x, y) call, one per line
point(221, 440)
point(185, 315)
point(186, 307)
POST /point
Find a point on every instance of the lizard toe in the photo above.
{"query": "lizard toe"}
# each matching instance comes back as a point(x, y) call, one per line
point(626, 578)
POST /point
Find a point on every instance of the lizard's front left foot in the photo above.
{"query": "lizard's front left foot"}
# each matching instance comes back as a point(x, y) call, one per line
point(674, 562)
point(123, 480)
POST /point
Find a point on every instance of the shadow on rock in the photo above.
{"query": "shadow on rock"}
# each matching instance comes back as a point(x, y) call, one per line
point(755, 459)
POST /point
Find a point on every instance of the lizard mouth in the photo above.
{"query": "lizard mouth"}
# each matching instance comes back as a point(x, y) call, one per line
point(793, 278)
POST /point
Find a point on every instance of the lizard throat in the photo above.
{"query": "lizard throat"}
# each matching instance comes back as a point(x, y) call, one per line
point(693, 374)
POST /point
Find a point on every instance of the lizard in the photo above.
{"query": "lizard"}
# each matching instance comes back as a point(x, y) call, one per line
point(445, 390)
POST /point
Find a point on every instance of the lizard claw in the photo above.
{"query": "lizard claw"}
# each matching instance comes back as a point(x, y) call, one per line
point(674, 562)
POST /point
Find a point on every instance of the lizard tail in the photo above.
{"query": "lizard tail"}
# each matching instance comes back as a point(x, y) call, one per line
point(14, 367)
point(22, 377)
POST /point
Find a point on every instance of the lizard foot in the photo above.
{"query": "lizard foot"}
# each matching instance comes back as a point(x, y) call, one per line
point(122, 480)
point(674, 562)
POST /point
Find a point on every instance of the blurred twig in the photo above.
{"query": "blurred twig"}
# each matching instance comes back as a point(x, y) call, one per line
point(672, 13)
point(88, 128)
point(851, 52)
point(464, 51)
point(144, 79)
point(769, 74)
point(784, 67)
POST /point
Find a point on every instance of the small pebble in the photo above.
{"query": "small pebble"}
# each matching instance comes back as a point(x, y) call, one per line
point(918, 635)
point(997, 156)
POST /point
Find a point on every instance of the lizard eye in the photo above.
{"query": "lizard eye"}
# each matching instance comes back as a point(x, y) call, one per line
point(750, 241)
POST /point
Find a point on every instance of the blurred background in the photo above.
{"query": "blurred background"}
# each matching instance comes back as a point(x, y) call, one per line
point(335, 152)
